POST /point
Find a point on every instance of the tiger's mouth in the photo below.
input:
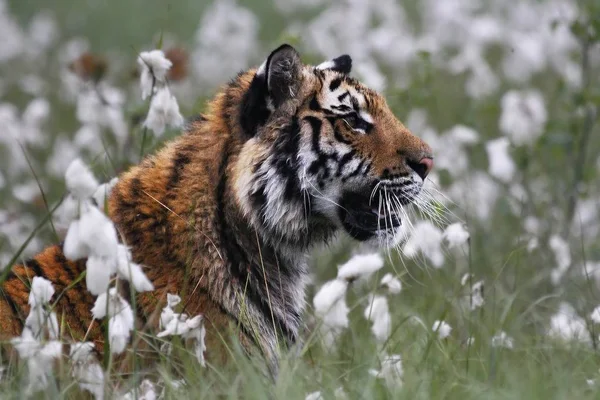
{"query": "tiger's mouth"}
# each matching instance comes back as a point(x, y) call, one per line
point(363, 216)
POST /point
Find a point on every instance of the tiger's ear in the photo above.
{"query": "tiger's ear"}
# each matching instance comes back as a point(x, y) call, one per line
point(341, 64)
point(282, 71)
point(276, 80)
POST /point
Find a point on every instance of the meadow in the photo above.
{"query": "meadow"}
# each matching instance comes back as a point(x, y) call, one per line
point(495, 292)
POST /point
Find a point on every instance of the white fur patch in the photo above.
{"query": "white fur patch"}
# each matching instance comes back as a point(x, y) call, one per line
point(262, 69)
point(326, 65)
point(366, 116)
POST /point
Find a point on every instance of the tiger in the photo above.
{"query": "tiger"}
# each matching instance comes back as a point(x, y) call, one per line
point(286, 157)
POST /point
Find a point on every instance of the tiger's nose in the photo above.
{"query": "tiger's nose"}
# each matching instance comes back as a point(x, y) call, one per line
point(423, 167)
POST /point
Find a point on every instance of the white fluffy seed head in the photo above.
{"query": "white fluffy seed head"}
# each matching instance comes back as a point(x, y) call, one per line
point(131, 271)
point(330, 293)
point(154, 66)
point(99, 270)
point(41, 292)
point(456, 234)
point(80, 181)
point(442, 328)
point(393, 284)
point(361, 265)
point(164, 112)
point(377, 312)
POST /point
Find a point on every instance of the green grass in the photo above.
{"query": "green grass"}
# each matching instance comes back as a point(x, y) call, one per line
point(519, 296)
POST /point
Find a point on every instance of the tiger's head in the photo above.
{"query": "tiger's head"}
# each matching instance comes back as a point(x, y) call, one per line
point(322, 152)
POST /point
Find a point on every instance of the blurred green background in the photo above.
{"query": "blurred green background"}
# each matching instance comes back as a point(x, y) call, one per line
point(449, 69)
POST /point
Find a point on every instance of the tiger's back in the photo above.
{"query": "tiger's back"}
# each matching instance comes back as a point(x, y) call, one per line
point(72, 299)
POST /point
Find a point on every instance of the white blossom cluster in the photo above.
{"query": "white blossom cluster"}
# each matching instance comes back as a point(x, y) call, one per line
point(164, 109)
point(38, 343)
point(178, 324)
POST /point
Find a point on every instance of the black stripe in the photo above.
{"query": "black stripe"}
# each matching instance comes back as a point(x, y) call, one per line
point(179, 163)
point(342, 107)
point(356, 170)
point(339, 137)
point(335, 84)
point(259, 200)
point(342, 96)
point(355, 104)
point(72, 275)
point(34, 265)
point(315, 125)
point(345, 160)
point(286, 161)
point(314, 104)
point(253, 110)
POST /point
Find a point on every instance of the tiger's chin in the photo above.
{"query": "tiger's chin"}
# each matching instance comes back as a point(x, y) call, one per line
point(365, 218)
point(368, 218)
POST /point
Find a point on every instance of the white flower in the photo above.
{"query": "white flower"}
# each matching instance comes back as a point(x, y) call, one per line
point(131, 271)
point(103, 192)
point(26, 192)
point(595, 316)
point(80, 180)
point(567, 325)
point(198, 332)
point(146, 391)
point(86, 370)
point(360, 265)
point(98, 232)
point(41, 291)
point(501, 164)
point(391, 371)
point(562, 255)
point(99, 269)
point(477, 194)
point(456, 234)
point(392, 283)
point(474, 299)
point(532, 244)
point(103, 107)
point(154, 66)
point(74, 248)
point(340, 394)
point(425, 238)
point(330, 293)
point(36, 113)
point(463, 134)
point(465, 279)
point(39, 359)
point(502, 340)
point(164, 111)
point(41, 318)
point(179, 324)
point(377, 312)
point(67, 213)
point(119, 328)
point(188, 328)
point(442, 328)
point(173, 300)
point(314, 396)
point(121, 319)
point(523, 116)
point(330, 307)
